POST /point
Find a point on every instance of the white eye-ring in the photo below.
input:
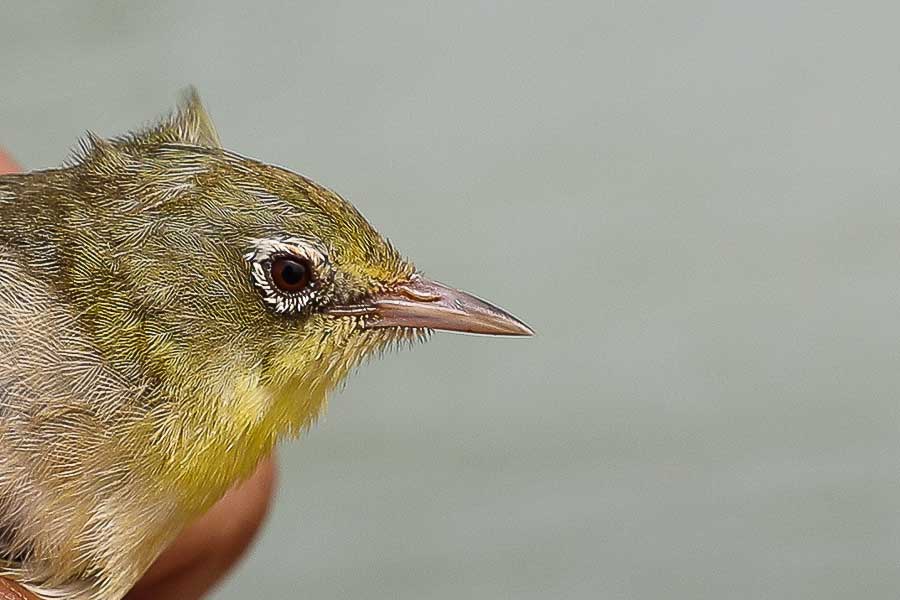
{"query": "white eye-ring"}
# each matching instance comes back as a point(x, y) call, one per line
point(289, 272)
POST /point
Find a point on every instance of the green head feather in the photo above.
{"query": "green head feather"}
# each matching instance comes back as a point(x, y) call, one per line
point(153, 239)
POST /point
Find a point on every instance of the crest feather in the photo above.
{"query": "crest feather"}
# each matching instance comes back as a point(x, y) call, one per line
point(189, 124)
point(192, 123)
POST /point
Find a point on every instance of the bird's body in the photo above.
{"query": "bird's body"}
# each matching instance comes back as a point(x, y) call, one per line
point(168, 311)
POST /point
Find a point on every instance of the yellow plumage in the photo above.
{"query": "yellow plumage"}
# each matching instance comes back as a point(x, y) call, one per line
point(168, 311)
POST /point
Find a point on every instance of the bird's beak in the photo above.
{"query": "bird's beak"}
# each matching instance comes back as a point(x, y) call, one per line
point(424, 304)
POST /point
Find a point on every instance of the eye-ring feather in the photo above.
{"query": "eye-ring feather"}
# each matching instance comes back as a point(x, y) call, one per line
point(289, 272)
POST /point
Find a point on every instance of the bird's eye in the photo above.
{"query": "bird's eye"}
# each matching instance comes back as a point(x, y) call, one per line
point(291, 274)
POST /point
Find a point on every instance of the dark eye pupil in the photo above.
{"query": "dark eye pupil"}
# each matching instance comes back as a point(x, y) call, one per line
point(291, 274)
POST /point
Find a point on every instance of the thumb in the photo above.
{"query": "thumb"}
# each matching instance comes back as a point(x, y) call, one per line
point(11, 591)
point(7, 165)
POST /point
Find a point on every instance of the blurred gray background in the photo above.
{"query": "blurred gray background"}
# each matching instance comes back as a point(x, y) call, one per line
point(695, 204)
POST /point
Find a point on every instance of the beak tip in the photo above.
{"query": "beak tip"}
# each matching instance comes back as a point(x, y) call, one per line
point(519, 328)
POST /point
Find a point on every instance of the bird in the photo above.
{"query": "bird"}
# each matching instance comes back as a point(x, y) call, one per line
point(169, 311)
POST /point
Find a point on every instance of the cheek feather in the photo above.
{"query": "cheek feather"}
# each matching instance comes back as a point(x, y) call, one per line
point(330, 349)
point(221, 437)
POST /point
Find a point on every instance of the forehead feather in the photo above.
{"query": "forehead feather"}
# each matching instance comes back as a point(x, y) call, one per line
point(286, 203)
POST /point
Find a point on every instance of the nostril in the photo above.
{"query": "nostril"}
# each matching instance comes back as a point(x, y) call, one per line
point(418, 295)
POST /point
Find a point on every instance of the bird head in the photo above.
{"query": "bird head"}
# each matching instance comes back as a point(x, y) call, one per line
point(242, 288)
